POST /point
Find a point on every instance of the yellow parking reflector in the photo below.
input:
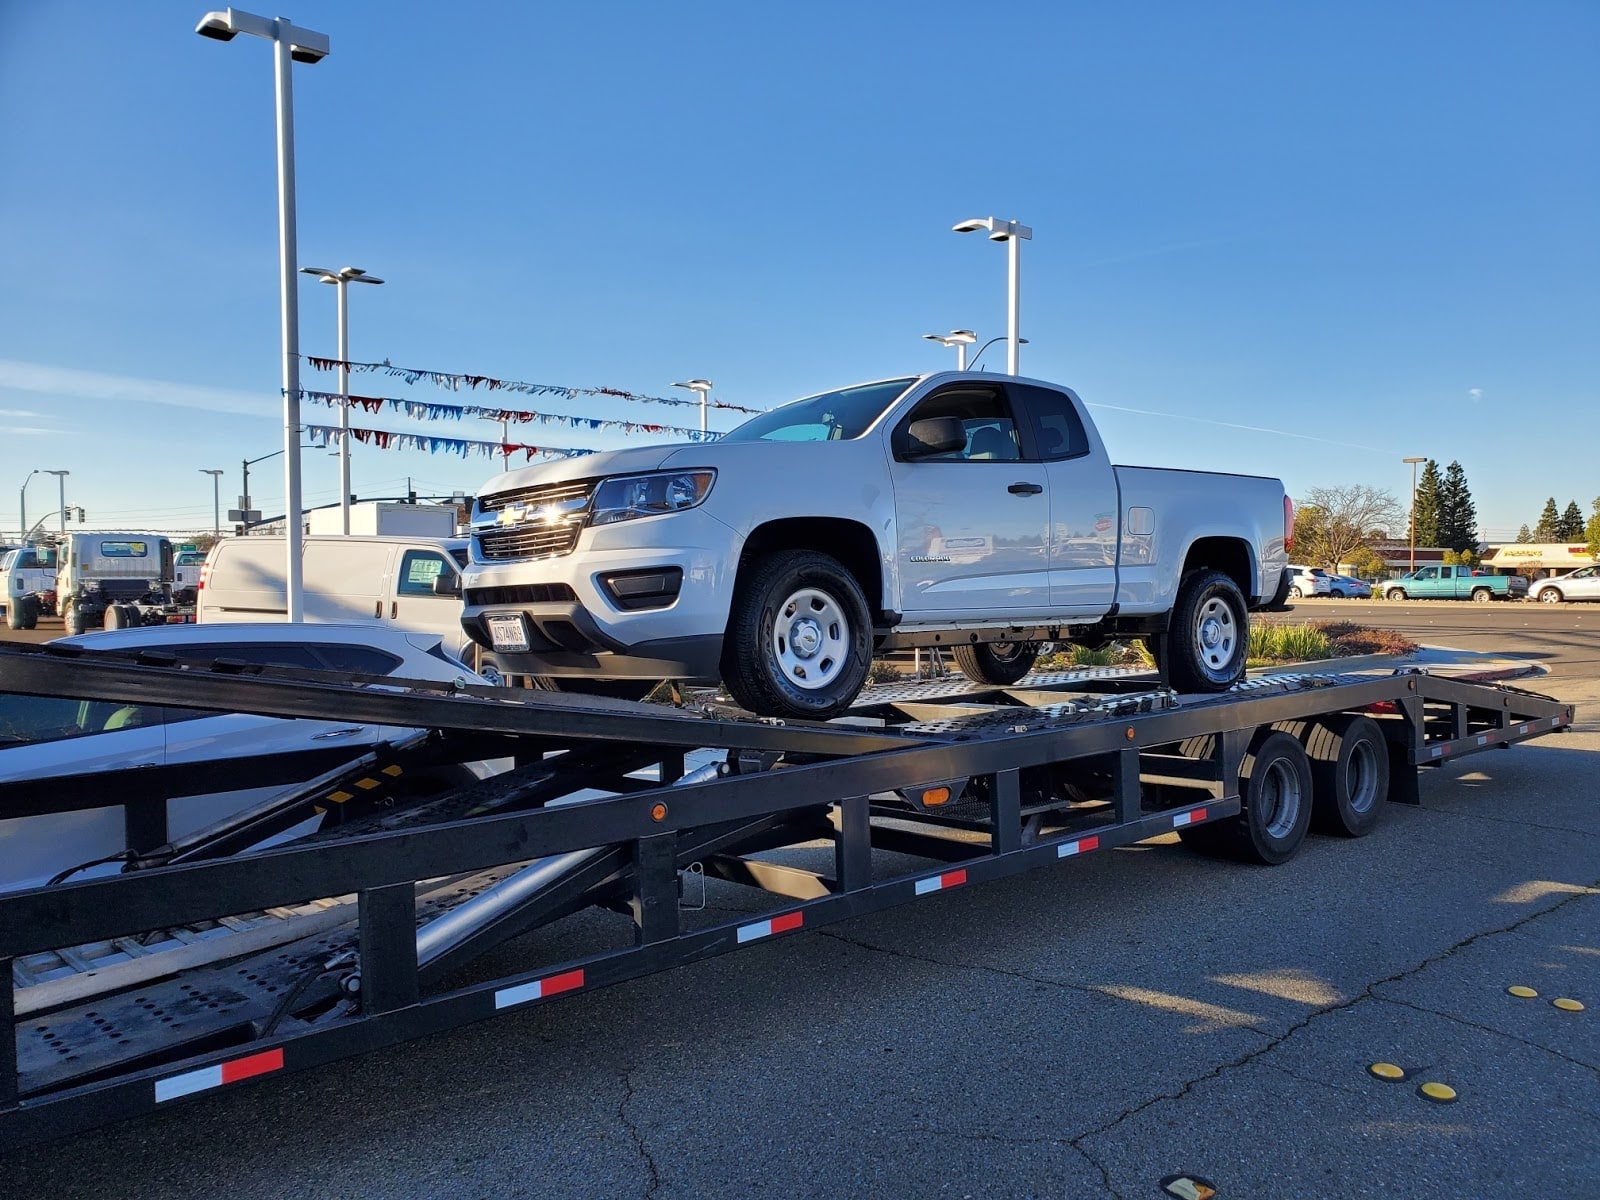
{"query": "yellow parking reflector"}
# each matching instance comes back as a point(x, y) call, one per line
point(341, 797)
point(1439, 1093)
point(1386, 1071)
point(1522, 993)
point(1566, 1005)
point(394, 769)
point(367, 784)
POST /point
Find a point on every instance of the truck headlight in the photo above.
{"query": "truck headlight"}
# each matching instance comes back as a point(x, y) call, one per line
point(630, 496)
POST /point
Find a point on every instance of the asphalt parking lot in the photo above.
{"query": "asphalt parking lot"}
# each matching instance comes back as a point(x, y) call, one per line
point(1080, 1031)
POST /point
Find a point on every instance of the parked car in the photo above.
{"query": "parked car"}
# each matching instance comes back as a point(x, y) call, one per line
point(1582, 584)
point(1349, 587)
point(1455, 583)
point(1308, 581)
point(42, 737)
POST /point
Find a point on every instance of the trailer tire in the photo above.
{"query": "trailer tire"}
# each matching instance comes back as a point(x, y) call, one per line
point(1349, 775)
point(996, 662)
point(1275, 790)
point(1481, 595)
point(1208, 634)
point(799, 641)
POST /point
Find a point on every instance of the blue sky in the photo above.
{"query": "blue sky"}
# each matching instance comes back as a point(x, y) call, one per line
point(1289, 239)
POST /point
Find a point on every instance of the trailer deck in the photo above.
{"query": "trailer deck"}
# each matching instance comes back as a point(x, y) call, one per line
point(207, 963)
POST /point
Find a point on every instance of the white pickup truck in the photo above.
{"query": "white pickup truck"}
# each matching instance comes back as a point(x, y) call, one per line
point(966, 511)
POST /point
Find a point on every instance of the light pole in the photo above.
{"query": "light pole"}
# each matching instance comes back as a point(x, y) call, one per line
point(290, 43)
point(960, 339)
point(61, 483)
point(339, 278)
point(1413, 462)
point(701, 388)
point(1015, 233)
point(22, 506)
point(216, 499)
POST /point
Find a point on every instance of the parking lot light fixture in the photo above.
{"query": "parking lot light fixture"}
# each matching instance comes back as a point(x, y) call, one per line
point(1413, 462)
point(339, 278)
point(960, 339)
point(701, 388)
point(22, 507)
point(1015, 233)
point(216, 499)
point(290, 44)
point(61, 483)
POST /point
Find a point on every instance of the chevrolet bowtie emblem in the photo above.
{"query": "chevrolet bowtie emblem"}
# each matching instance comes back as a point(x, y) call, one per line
point(514, 514)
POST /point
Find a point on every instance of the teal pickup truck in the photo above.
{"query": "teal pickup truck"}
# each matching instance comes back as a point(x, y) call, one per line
point(1455, 583)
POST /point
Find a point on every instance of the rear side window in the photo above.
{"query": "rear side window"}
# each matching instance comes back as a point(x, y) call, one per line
point(358, 660)
point(418, 570)
point(1057, 428)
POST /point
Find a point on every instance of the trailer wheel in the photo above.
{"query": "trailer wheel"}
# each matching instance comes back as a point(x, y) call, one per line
point(1349, 775)
point(1395, 594)
point(1208, 634)
point(1275, 790)
point(799, 640)
point(996, 662)
point(1481, 595)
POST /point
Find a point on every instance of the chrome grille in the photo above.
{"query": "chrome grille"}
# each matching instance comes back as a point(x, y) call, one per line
point(546, 493)
point(547, 520)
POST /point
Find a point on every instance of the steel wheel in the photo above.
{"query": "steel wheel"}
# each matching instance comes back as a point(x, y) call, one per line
point(1395, 594)
point(1217, 634)
point(810, 639)
point(1281, 798)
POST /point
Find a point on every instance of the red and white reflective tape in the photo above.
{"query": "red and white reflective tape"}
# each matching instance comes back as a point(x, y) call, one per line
point(216, 1076)
point(539, 989)
point(761, 929)
point(1081, 846)
point(938, 883)
point(1188, 818)
point(1483, 739)
point(1439, 752)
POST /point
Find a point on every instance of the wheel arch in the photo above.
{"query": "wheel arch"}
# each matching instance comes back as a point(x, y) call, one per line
point(851, 542)
point(1232, 556)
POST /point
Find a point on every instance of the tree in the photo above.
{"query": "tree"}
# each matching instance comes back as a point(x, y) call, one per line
point(1458, 516)
point(1425, 507)
point(1572, 522)
point(1592, 531)
point(1331, 523)
point(1549, 527)
point(1366, 562)
point(1524, 535)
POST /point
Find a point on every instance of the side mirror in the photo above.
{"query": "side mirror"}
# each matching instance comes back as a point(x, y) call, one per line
point(935, 435)
point(447, 583)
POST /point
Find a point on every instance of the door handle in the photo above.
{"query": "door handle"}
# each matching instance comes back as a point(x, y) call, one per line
point(394, 610)
point(334, 733)
point(1025, 489)
point(377, 610)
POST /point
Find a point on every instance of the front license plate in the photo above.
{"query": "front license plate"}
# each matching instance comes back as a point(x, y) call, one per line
point(507, 631)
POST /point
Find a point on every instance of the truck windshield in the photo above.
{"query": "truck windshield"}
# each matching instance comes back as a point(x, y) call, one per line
point(830, 417)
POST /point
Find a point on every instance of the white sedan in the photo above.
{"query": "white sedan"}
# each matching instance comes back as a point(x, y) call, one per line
point(42, 736)
point(1582, 584)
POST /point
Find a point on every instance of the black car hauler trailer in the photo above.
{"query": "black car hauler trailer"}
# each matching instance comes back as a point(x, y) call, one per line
point(205, 964)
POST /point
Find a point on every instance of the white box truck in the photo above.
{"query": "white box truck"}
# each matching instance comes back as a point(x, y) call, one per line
point(386, 518)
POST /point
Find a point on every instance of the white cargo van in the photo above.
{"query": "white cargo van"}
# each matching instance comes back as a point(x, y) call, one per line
point(387, 581)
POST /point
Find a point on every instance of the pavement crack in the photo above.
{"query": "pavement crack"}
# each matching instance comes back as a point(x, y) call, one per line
point(639, 1143)
point(1459, 1020)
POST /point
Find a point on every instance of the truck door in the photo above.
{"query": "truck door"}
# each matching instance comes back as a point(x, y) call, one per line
point(417, 607)
point(1083, 501)
point(971, 524)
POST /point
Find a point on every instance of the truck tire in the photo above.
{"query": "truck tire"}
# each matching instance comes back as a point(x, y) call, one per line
point(1349, 774)
point(30, 611)
point(116, 617)
point(1275, 789)
point(1550, 595)
point(1481, 595)
point(799, 640)
point(1395, 594)
point(996, 662)
point(72, 618)
point(1208, 634)
point(14, 614)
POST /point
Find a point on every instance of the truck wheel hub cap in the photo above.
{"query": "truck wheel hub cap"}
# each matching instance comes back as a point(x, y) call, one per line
point(810, 639)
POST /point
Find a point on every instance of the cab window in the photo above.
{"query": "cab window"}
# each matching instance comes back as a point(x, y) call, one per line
point(985, 415)
point(1057, 427)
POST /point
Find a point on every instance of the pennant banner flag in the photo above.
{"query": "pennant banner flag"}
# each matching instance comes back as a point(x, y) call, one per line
point(429, 411)
point(455, 382)
point(385, 439)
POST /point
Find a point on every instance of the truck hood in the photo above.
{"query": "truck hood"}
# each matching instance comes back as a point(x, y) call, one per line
point(584, 466)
